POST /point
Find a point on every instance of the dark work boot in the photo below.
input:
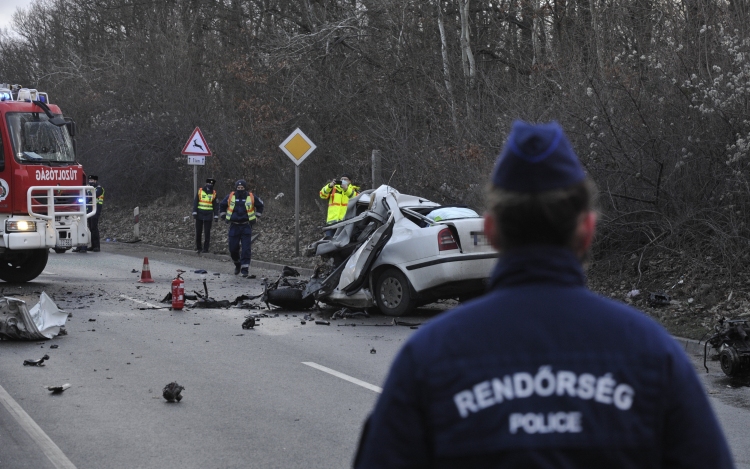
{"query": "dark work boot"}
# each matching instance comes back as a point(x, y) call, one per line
point(236, 269)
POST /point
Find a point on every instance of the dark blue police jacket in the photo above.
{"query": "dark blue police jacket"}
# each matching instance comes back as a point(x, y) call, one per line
point(542, 373)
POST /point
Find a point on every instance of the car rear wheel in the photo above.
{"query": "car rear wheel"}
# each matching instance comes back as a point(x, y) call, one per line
point(393, 293)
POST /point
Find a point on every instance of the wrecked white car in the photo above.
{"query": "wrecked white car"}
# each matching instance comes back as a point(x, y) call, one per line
point(395, 252)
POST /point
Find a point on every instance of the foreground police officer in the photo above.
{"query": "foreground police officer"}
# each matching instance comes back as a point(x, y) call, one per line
point(541, 372)
point(205, 210)
point(240, 209)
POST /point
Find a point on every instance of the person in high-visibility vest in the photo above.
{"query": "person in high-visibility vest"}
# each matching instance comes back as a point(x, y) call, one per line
point(93, 221)
point(240, 208)
point(338, 193)
point(205, 210)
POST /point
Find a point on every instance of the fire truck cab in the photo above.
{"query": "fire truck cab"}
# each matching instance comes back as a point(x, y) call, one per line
point(44, 198)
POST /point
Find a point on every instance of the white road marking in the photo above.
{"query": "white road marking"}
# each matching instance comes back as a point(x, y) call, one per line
point(335, 373)
point(140, 302)
point(49, 448)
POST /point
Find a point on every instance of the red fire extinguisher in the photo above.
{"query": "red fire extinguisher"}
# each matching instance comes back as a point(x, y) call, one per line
point(178, 291)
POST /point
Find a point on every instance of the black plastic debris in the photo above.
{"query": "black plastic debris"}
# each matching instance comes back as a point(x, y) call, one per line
point(171, 392)
point(92, 319)
point(658, 299)
point(134, 271)
point(320, 322)
point(404, 323)
point(201, 271)
point(373, 351)
point(58, 389)
point(287, 293)
point(39, 362)
point(303, 322)
point(54, 346)
point(249, 323)
point(210, 303)
point(289, 272)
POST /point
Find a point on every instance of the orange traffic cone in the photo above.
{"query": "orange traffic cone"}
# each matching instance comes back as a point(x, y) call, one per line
point(146, 272)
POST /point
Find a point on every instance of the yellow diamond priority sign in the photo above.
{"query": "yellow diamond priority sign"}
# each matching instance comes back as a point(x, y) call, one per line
point(297, 146)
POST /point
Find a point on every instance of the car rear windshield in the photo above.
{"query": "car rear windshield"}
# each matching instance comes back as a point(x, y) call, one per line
point(36, 140)
point(451, 213)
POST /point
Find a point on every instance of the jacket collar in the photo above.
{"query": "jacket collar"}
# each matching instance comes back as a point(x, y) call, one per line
point(538, 264)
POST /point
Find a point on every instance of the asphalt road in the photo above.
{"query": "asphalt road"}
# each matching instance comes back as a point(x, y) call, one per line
point(284, 394)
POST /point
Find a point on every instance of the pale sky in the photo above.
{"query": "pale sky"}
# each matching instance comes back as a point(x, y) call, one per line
point(8, 7)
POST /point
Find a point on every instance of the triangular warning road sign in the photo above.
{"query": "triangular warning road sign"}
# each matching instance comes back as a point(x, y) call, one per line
point(196, 145)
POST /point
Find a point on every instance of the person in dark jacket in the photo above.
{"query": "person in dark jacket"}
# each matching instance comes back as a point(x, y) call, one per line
point(541, 372)
point(205, 211)
point(93, 221)
point(240, 209)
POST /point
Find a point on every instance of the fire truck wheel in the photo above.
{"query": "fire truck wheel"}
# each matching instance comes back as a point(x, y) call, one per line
point(60, 250)
point(23, 265)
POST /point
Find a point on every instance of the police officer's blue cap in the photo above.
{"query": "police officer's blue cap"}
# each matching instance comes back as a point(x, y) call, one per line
point(210, 181)
point(537, 158)
point(241, 182)
point(95, 178)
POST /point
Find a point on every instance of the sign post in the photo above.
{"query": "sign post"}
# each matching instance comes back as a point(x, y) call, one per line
point(196, 150)
point(297, 147)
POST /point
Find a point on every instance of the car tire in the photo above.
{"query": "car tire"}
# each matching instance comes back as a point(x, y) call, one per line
point(730, 362)
point(393, 293)
point(289, 298)
point(26, 266)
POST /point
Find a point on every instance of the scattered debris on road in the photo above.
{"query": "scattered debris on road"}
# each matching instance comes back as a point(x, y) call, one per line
point(732, 342)
point(347, 313)
point(287, 292)
point(57, 389)
point(404, 323)
point(249, 322)
point(44, 321)
point(373, 351)
point(322, 322)
point(171, 392)
point(39, 362)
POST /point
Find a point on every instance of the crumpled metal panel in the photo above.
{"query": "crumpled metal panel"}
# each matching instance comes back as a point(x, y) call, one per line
point(41, 322)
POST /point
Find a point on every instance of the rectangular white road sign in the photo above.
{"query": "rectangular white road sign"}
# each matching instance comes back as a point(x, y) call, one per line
point(197, 160)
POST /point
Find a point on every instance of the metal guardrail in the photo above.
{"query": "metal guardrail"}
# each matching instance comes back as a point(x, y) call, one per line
point(48, 202)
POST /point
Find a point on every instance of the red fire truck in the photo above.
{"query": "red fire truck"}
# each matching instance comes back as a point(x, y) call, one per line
point(44, 199)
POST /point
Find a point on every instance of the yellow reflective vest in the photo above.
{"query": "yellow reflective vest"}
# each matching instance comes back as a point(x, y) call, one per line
point(338, 198)
point(206, 200)
point(249, 206)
